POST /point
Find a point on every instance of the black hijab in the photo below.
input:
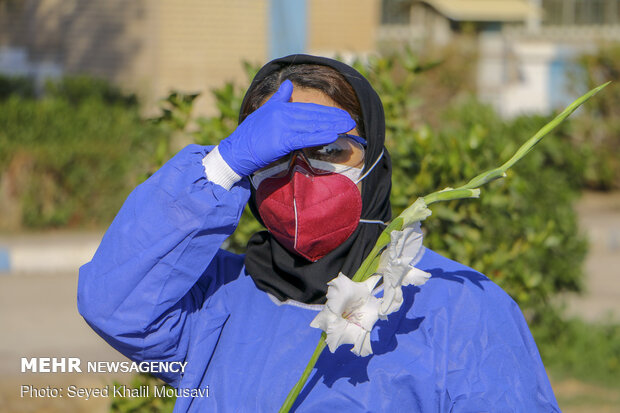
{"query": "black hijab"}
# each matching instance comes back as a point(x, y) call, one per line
point(286, 275)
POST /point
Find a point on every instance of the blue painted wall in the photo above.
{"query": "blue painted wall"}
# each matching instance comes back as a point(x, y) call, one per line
point(5, 260)
point(561, 88)
point(288, 21)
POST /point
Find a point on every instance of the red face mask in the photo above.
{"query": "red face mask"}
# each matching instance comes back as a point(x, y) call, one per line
point(309, 214)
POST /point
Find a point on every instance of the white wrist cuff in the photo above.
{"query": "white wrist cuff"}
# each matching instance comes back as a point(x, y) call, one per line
point(218, 171)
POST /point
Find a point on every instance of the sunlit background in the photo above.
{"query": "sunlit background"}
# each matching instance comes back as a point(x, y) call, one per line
point(95, 95)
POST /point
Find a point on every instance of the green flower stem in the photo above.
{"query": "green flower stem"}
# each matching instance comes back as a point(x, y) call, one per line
point(292, 395)
point(500, 172)
point(411, 214)
point(451, 194)
point(365, 268)
point(523, 150)
point(418, 211)
point(374, 265)
point(485, 178)
point(364, 271)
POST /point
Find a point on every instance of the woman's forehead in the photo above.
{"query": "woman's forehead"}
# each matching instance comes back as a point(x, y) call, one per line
point(307, 95)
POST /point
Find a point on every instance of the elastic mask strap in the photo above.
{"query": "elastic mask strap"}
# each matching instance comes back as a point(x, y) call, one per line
point(371, 168)
point(371, 221)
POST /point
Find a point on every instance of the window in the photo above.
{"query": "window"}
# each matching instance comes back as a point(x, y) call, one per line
point(581, 12)
point(395, 12)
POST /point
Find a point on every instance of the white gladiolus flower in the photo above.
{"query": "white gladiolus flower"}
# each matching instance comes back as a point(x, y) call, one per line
point(349, 314)
point(396, 267)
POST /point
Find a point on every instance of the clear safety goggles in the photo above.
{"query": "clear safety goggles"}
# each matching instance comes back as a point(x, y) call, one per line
point(345, 155)
point(347, 150)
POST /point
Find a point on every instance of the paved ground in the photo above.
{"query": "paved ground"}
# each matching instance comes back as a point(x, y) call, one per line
point(38, 314)
point(600, 219)
point(38, 318)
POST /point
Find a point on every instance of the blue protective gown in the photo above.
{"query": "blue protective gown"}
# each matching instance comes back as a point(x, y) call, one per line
point(159, 288)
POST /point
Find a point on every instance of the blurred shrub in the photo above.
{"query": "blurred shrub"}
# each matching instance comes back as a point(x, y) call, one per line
point(16, 86)
point(175, 117)
point(80, 88)
point(150, 404)
point(71, 157)
point(597, 128)
point(523, 231)
point(574, 348)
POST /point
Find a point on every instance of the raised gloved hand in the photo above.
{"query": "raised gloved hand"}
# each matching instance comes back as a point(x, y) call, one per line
point(279, 127)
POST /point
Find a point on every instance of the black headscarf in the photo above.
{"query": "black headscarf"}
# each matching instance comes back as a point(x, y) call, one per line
point(286, 275)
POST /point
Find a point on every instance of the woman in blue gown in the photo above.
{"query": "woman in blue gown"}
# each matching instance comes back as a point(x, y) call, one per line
point(311, 140)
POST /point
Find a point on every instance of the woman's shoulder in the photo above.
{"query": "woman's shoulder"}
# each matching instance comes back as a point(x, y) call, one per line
point(453, 285)
point(460, 305)
point(476, 336)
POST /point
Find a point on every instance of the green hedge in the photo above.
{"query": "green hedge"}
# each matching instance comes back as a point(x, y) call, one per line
point(522, 232)
point(70, 160)
point(598, 127)
point(574, 348)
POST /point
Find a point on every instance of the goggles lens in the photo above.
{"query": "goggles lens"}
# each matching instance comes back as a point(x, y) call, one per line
point(347, 150)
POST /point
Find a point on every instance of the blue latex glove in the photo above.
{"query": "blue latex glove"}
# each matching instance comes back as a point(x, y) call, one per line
point(280, 127)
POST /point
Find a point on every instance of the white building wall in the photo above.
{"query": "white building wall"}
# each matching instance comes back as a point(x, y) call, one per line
point(528, 92)
point(527, 74)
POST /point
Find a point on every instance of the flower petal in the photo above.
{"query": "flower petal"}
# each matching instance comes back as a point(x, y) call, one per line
point(391, 302)
point(323, 319)
point(416, 276)
point(404, 250)
point(412, 244)
point(349, 314)
point(343, 332)
point(367, 315)
point(344, 294)
point(362, 347)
